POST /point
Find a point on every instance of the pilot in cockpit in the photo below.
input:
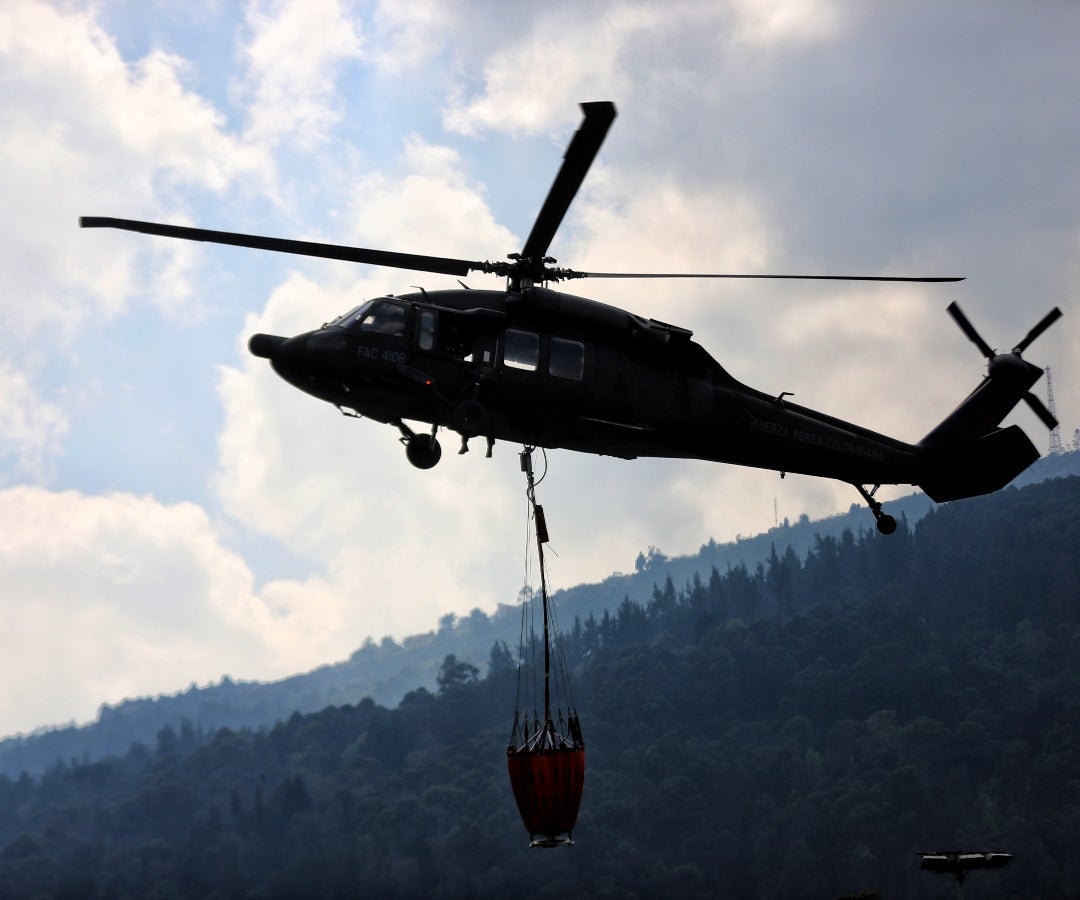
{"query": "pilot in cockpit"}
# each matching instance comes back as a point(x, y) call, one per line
point(385, 318)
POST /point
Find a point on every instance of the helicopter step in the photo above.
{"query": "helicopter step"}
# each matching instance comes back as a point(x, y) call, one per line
point(886, 524)
point(470, 418)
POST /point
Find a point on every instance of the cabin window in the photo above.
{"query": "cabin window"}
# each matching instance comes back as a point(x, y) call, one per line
point(425, 338)
point(567, 359)
point(521, 350)
point(384, 318)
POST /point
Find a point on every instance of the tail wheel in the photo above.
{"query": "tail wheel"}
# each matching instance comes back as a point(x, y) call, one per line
point(470, 418)
point(886, 524)
point(423, 451)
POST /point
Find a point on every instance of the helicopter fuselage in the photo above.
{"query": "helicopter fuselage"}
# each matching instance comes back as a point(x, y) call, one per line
point(539, 367)
point(549, 369)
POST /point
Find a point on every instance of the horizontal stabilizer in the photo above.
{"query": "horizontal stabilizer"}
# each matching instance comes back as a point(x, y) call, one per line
point(976, 467)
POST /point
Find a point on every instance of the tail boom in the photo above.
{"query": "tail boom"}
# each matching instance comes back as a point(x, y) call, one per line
point(969, 454)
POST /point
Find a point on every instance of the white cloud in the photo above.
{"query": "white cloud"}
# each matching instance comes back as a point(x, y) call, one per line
point(782, 22)
point(431, 209)
point(117, 596)
point(399, 547)
point(113, 596)
point(87, 132)
point(565, 53)
point(395, 547)
point(409, 35)
point(31, 429)
point(536, 81)
point(293, 56)
point(752, 136)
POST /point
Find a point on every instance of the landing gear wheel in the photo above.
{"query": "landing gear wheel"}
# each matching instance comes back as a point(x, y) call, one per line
point(423, 450)
point(886, 524)
point(470, 418)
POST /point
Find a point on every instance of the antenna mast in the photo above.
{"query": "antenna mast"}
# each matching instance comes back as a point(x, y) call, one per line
point(1055, 432)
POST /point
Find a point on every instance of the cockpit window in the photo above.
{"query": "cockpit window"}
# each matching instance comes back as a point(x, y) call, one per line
point(378, 316)
point(343, 320)
point(381, 317)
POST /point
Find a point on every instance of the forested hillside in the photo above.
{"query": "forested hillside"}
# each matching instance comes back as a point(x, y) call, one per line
point(795, 729)
point(386, 670)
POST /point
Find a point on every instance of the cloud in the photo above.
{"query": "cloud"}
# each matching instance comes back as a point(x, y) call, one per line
point(783, 22)
point(396, 546)
point(400, 547)
point(293, 55)
point(432, 208)
point(408, 36)
point(535, 82)
point(86, 131)
point(752, 136)
point(31, 429)
point(564, 53)
point(114, 595)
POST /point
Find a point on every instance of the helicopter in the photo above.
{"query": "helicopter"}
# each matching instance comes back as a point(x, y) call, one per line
point(536, 366)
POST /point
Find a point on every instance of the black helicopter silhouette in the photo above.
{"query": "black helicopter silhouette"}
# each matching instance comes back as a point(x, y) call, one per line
point(538, 367)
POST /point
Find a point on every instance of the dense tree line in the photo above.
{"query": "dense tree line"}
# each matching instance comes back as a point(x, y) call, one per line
point(386, 670)
point(795, 730)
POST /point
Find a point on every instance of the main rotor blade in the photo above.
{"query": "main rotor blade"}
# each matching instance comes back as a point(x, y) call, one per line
point(579, 156)
point(1039, 408)
point(969, 329)
point(416, 262)
point(1049, 319)
point(788, 277)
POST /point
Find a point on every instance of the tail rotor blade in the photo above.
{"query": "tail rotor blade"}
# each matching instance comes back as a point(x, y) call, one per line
point(969, 330)
point(1049, 319)
point(1039, 408)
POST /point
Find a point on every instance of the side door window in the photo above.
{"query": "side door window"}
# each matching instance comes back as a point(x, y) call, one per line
point(567, 359)
point(521, 350)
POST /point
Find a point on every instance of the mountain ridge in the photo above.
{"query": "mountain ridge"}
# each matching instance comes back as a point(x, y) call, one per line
point(386, 671)
point(798, 730)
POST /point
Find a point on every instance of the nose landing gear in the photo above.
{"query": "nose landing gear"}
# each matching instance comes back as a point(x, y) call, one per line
point(422, 450)
point(886, 524)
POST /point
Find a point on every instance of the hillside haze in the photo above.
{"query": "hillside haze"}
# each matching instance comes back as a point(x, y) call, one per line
point(798, 728)
point(386, 671)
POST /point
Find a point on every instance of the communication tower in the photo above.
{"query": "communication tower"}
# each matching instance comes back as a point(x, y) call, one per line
point(1055, 432)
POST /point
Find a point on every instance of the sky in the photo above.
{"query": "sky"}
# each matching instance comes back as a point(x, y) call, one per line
point(172, 512)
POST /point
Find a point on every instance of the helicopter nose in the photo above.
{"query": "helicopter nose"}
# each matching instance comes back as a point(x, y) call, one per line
point(292, 359)
point(295, 359)
point(264, 345)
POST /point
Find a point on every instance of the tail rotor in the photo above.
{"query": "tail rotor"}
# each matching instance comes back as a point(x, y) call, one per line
point(1049, 319)
point(969, 452)
point(1000, 362)
point(965, 326)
